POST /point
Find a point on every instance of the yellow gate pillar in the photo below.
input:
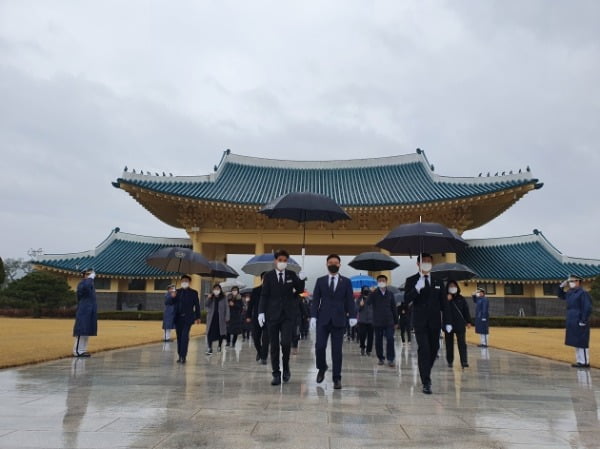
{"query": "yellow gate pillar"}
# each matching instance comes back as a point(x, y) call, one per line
point(259, 248)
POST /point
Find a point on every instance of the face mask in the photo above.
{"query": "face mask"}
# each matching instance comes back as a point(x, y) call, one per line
point(453, 290)
point(216, 292)
point(234, 294)
point(572, 284)
point(281, 266)
point(381, 285)
point(185, 284)
point(92, 275)
point(333, 268)
point(480, 295)
point(426, 267)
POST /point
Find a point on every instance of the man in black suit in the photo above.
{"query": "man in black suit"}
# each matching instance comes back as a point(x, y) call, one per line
point(187, 312)
point(332, 304)
point(426, 295)
point(278, 308)
point(259, 334)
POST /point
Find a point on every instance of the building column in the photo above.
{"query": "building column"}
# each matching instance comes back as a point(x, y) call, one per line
point(198, 247)
point(259, 248)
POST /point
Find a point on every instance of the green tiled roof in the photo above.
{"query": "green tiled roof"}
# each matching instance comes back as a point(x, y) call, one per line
point(121, 254)
point(523, 258)
point(405, 179)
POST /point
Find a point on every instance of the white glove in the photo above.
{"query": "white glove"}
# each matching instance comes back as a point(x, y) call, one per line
point(563, 284)
point(581, 324)
point(313, 324)
point(420, 284)
point(261, 319)
point(484, 319)
point(302, 276)
point(352, 322)
point(448, 328)
point(92, 275)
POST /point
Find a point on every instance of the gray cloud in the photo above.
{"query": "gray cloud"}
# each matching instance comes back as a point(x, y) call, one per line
point(481, 86)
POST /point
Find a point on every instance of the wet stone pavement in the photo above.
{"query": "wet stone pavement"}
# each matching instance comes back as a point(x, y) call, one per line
point(140, 398)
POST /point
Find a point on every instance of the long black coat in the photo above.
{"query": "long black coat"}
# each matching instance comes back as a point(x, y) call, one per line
point(280, 302)
point(187, 305)
point(86, 317)
point(385, 313)
point(428, 304)
point(457, 313)
point(234, 327)
point(252, 310)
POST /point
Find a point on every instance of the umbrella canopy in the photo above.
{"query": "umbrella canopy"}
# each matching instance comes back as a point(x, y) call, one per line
point(220, 270)
point(303, 207)
point(373, 261)
point(360, 281)
point(264, 262)
point(455, 271)
point(230, 283)
point(178, 260)
point(246, 291)
point(416, 238)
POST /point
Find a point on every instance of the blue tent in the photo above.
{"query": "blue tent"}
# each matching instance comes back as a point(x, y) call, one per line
point(360, 281)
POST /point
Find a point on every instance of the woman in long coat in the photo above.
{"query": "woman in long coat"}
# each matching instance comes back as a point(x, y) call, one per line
point(169, 312)
point(458, 316)
point(234, 326)
point(482, 315)
point(216, 318)
point(579, 310)
point(86, 317)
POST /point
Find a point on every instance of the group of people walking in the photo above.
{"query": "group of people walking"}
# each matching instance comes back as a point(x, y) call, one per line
point(277, 316)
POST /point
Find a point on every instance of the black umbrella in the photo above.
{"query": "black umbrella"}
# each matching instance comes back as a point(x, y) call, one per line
point(178, 260)
point(303, 207)
point(220, 270)
point(416, 238)
point(373, 261)
point(455, 271)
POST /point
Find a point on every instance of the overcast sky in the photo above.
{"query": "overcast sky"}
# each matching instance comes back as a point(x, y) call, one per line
point(89, 87)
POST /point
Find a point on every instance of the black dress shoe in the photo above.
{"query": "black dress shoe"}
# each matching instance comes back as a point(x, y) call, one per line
point(580, 365)
point(449, 365)
point(381, 362)
point(321, 376)
point(466, 365)
point(276, 380)
point(427, 389)
point(183, 360)
point(287, 376)
point(258, 357)
point(337, 385)
point(362, 352)
point(263, 362)
point(179, 360)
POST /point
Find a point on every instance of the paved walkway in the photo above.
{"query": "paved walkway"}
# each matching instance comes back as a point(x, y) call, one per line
point(140, 398)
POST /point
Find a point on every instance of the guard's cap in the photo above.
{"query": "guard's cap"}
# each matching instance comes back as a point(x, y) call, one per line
point(575, 277)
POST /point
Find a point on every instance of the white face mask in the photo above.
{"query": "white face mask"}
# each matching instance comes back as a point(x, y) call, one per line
point(216, 292)
point(453, 290)
point(572, 284)
point(381, 285)
point(185, 284)
point(426, 267)
point(281, 266)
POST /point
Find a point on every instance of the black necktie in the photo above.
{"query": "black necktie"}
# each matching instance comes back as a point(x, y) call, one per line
point(427, 284)
point(332, 284)
point(281, 278)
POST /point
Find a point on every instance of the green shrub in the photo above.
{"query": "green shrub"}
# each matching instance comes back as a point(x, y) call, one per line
point(534, 321)
point(141, 315)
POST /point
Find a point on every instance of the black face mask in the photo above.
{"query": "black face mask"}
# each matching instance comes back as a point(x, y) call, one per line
point(333, 268)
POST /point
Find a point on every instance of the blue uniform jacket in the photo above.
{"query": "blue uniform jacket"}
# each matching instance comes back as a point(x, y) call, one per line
point(169, 313)
point(579, 309)
point(482, 315)
point(86, 317)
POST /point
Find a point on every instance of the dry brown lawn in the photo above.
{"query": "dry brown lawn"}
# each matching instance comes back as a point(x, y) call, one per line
point(28, 340)
point(548, 343)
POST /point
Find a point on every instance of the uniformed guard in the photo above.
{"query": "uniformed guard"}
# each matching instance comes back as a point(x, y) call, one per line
point(579, 310)
point(482, 315)
point(169, 312)
point(86, 317)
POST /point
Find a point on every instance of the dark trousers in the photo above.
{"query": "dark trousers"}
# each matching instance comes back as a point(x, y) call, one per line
point(390, 351)
point(365, 333)
point(232, 339)
point(280, 333)
point(337, 341)
point(182, 329)
point(462, 347)
point(260, 335)
point(405, 330)
point(428, 340)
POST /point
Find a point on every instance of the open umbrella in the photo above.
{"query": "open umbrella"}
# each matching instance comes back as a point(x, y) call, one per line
point(178, 260)
point(304, 207)
point(373, 261)
point(230, 283)
point(416, 238)
point(220, 270)
point(264, 262)
point(455, 271)
point(360, 281)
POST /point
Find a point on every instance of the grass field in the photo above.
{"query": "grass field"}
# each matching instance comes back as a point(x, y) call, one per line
point(28, 340)
point(548, 343)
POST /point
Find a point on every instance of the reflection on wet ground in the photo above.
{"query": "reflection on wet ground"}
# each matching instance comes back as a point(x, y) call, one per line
point(140, 398)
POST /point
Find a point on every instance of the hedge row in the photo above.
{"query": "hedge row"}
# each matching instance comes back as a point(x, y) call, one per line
point(141, 315)
point(534, 321)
